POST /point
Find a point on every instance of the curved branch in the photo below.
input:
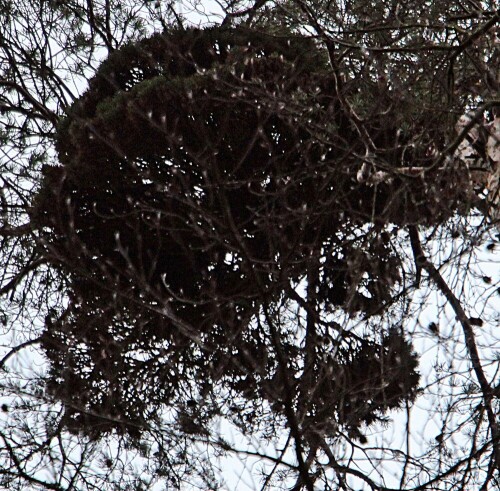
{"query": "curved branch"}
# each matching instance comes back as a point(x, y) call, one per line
point(18, 348)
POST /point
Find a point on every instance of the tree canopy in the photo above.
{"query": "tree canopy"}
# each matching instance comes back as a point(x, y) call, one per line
point(238, 222)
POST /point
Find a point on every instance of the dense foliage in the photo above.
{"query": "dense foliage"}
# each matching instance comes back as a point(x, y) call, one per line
point(204, 210)
point(228, 227)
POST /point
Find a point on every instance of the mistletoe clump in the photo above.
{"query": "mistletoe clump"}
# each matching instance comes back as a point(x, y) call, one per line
point(192, 188)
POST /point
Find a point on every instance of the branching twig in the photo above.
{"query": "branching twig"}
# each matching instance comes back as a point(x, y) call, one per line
point(470, 338)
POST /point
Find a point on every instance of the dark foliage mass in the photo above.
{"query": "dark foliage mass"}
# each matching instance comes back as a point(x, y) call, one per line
point(187, 174)
point(263, 233)
point(356, 384)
